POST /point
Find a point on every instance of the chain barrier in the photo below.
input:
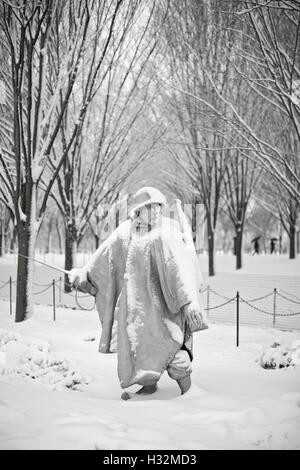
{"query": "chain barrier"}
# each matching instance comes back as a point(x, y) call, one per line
point(76, 297)
point(260, 298)
point(43, 290)
point(269, 313)
point(217, 293)
point(292, 295)
point(44, 285)
point(250, 300)
point(286, 298)
point(5, 284)
point(221, 305)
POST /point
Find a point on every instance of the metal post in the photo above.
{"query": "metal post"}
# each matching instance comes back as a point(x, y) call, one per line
point(10, 295)
point(53, 292)
point(274, 307)
point(60, 289)
point(237, 318)
point(207, 301)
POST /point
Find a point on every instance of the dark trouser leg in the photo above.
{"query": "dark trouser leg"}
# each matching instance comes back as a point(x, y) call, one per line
point(147, 389)
point(185, 383)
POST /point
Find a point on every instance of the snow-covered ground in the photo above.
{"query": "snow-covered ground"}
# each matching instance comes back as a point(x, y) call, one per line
point(259, 264)
point(58, 392)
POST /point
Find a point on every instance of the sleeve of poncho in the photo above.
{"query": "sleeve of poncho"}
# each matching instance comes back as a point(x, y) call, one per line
point(177, 274)
point(105, 269)
point(101, 271)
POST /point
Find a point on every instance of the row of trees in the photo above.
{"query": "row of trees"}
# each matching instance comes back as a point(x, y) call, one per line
point(230, 87)
point(76, 94)
point(200, 98)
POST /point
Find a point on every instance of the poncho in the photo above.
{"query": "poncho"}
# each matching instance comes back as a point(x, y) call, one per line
point(144, 278)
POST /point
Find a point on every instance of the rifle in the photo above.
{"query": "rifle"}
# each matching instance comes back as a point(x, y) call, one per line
point(65, 271)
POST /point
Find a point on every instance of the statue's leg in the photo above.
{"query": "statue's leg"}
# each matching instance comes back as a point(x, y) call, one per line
point(184, 383)
point(145, 390)
point(180, 370)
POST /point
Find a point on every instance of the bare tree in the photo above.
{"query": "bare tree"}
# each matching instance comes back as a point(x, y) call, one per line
point(199, 41)
point(242, 173)
point(37, 94)
point(268, 60)
point(240, 181)
point(276, 67)
point(111, 141)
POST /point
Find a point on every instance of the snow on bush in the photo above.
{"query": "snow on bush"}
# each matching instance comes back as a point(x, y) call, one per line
point(34, 359)
point(278, 356)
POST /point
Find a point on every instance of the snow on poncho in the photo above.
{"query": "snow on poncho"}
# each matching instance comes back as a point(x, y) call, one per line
point(143, 279)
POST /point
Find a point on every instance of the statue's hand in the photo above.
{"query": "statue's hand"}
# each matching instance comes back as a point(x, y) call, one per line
point(75, 277)
point(194, 317)
point(79, 279)
point(88, 287)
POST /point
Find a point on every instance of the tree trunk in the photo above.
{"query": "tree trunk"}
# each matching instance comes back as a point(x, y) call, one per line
point(70, 254)
point(239, 246)
point(280, 238)
point(1, 239)
point(194, 222)
point(97, 241)
point(292, 236)
point(211, 249)
point(59, 238)
point(27, 234)
point(24, 297)
point(13, 239)
point(48, 245)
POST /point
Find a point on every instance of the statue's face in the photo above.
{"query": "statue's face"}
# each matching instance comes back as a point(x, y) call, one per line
point(150, 214)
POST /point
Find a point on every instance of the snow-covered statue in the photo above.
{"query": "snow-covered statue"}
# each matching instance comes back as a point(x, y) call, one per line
point(146, 279)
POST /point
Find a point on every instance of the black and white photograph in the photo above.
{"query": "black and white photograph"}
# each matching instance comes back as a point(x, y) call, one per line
point(149, 227)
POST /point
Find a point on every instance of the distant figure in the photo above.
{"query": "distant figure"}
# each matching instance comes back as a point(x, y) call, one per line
point(272, 245)
point(255, 246)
